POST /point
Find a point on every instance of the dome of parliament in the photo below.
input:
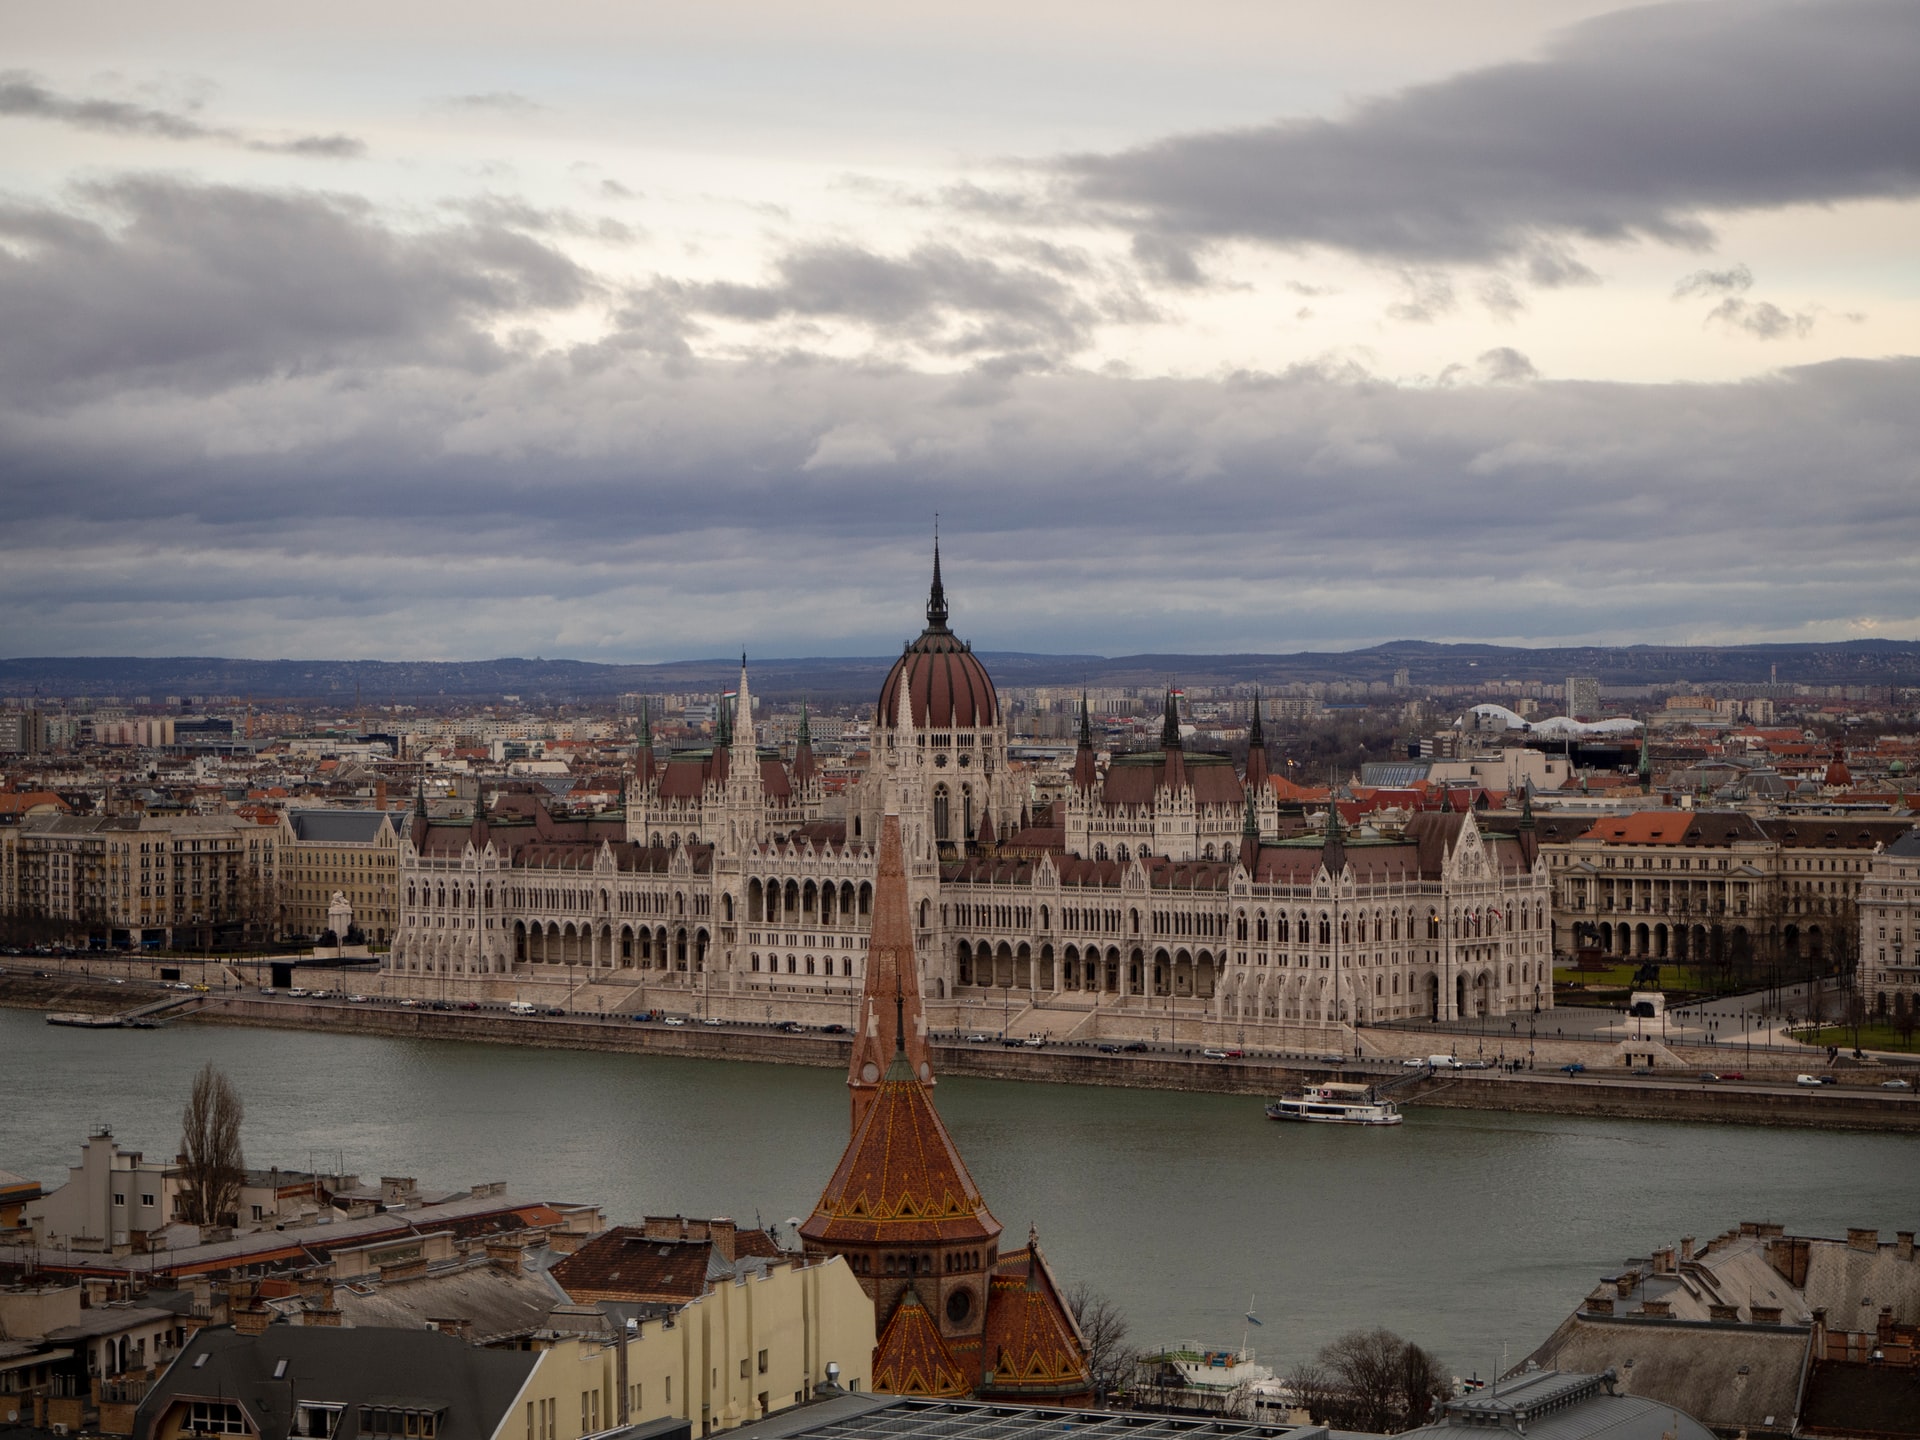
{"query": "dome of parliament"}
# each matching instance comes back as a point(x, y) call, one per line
point(949, 687)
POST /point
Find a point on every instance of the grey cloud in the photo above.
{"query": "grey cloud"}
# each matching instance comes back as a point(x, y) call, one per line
point(1169, 260)
point(161, 281)
point(513, 213)
point(1429, 296)
point(1640, 123)
point(1736, 280)
point(1505, 365)
point(936, 296)
point(23, 96)
point(541, 499)
point(1761, 319)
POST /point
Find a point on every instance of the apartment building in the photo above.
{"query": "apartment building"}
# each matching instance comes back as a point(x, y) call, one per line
point(355, 853)
point(1890, 930)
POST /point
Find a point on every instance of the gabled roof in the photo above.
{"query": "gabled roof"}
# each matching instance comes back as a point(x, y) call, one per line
point(1031, 1345)
point(912, 1359)
point(339, 827)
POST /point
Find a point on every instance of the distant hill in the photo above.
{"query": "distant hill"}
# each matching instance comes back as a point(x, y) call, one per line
point(839, 680)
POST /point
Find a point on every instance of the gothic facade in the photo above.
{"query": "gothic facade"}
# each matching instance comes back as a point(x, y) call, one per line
point(1167, 880)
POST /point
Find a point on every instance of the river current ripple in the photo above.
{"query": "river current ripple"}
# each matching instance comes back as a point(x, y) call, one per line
point(1472, 1233)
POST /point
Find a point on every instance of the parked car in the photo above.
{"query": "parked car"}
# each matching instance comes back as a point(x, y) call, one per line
point(1214, 1054)
point(1107, 1047)
point(356, 999)
point(1895, 1085)
point(792, 1027)
point(1576, 1068)
point(1732, 1075)
point(1033, 1042)
point(1708, 1075)
point(1419, 1064)
point(1805, 1080)
point(681, 1020)
point(836, 1029)
point(1135, 1047)
point(469, 1004)
point(713, 1020)
point(1236, 1054)
point(1829, 1079)
point(976, 1039)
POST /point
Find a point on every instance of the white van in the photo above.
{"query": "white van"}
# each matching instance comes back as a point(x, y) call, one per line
point(1444, 1062)
point(520, 1007)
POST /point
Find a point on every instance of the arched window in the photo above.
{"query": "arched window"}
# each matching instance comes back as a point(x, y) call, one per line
point(941, 819)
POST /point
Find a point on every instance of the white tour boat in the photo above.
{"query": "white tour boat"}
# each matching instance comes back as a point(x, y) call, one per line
point(1335, 1104)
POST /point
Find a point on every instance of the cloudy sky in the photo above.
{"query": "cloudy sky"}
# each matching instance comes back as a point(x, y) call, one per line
point(640, 332)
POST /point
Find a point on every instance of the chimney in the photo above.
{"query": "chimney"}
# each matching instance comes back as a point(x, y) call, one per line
point(1658, 1309)
point(1623, 1284)
point(380, 795)
point(1686, 1247)
point(1864, 1240)
point(1599, 1305)
point(1903, 1244)
point(721, 1233)
point(1766, 1314)
point(405, 1270)
point(460, 1328)
point(1663, 1260)
point(1728, 1313)
point(504, 1254)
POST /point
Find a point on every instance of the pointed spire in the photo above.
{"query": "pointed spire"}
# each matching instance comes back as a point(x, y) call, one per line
point(1170, 723)
point(479, 832)
point(1085, 769)
point(937, 596)
point(1446, 798)
point(743, 735)
point(1259, 763)
point(643, 751)
point(1333, 854)
point(723, 724)
point(891, 1020)
point(420, 796)
point(1526, 807)
point(804, 768)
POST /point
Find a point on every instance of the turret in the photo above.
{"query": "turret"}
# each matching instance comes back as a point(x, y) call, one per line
point(1085, 766)
point(804, 768)
point(1259, 764)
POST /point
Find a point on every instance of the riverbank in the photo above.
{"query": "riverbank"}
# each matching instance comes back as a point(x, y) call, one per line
point(1677, 1093)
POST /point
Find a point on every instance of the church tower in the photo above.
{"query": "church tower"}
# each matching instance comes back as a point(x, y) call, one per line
point(956, 1318)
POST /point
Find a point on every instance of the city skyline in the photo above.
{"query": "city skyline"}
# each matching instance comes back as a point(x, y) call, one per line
point(626, 336)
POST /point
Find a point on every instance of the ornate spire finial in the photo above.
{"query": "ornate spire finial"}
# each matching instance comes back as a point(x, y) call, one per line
point(1170, 724)
point(806, 736)
point(1086, 721)
point(937, 596)
point(420, 796)
point(646, 726)
point(1256, 735)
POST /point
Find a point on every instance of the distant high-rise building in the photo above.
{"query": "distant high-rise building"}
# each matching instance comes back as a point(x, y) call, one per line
point(1583, 697)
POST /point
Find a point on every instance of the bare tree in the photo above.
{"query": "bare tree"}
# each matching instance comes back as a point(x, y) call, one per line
point(1425, 1385)
point(210, 1150)
point(1370, 1380)
point(1103, 1326)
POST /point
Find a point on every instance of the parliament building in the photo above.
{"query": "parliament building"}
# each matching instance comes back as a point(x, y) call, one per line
point(1170, 886)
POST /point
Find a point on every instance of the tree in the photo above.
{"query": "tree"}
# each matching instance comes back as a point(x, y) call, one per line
point(1103, 1326)
point(210, 1150)
point(1370, 1380)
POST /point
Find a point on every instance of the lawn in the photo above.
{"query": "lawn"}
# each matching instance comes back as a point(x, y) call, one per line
point(1872, 1037)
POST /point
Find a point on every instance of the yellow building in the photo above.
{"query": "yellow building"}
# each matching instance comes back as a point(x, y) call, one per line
point(353, 852)
point(745, 1349)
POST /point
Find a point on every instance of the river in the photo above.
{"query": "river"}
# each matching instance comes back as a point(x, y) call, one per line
point(1472, 1233)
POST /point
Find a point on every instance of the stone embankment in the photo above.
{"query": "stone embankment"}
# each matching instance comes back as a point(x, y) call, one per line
point(1766, 1097)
